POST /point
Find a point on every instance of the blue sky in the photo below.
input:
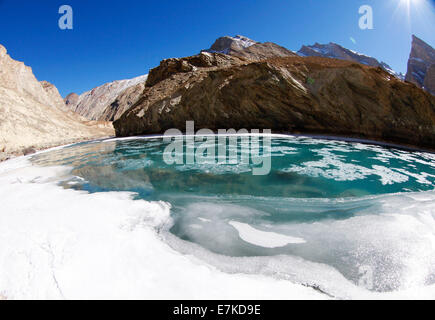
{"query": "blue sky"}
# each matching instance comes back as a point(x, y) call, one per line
point(114, 40)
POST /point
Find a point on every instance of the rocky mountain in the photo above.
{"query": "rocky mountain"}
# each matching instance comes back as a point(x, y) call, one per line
point(71, 100)
point(335, 51)
point(231, 45)
point(98, 103)
point(123, 102)
point(225, 52)
point(109, 101)
point(286, 94)
point(421, 65)
point(244, 47)
point(32, 113)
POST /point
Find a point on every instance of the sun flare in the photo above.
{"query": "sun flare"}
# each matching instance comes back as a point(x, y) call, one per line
point(406, 7)
point(410, 3)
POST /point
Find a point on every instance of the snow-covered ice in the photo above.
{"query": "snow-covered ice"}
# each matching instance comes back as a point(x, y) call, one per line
point(57, 243)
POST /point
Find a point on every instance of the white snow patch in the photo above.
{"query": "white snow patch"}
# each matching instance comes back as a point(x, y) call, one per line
point(263, 238)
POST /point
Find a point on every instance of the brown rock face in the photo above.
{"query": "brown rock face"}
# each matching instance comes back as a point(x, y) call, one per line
point(170, 67)
point(429, 80)
point(291, 95)
point(422, 56)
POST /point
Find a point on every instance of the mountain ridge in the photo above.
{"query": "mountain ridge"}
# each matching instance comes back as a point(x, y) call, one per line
point(93, 104)
point(32, 113)
point(243, 47)
point(336, 51)
point(109, 104)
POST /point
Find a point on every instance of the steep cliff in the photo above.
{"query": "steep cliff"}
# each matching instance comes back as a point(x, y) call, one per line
point(32, 113)
point(421, 60)
point(429, 79)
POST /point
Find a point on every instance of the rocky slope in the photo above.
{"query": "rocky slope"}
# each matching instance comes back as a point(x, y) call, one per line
point(421, 65)
point(99, 103)
point(287, 94)
point(335, 51)
point(32, 113)
point(173, 66)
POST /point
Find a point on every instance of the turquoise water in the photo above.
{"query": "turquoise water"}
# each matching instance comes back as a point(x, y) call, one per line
point(347, 203)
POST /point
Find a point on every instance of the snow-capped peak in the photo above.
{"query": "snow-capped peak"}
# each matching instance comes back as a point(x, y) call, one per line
point(229, 44)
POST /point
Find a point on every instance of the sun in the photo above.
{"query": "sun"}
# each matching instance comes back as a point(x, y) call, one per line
point(414, 13)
